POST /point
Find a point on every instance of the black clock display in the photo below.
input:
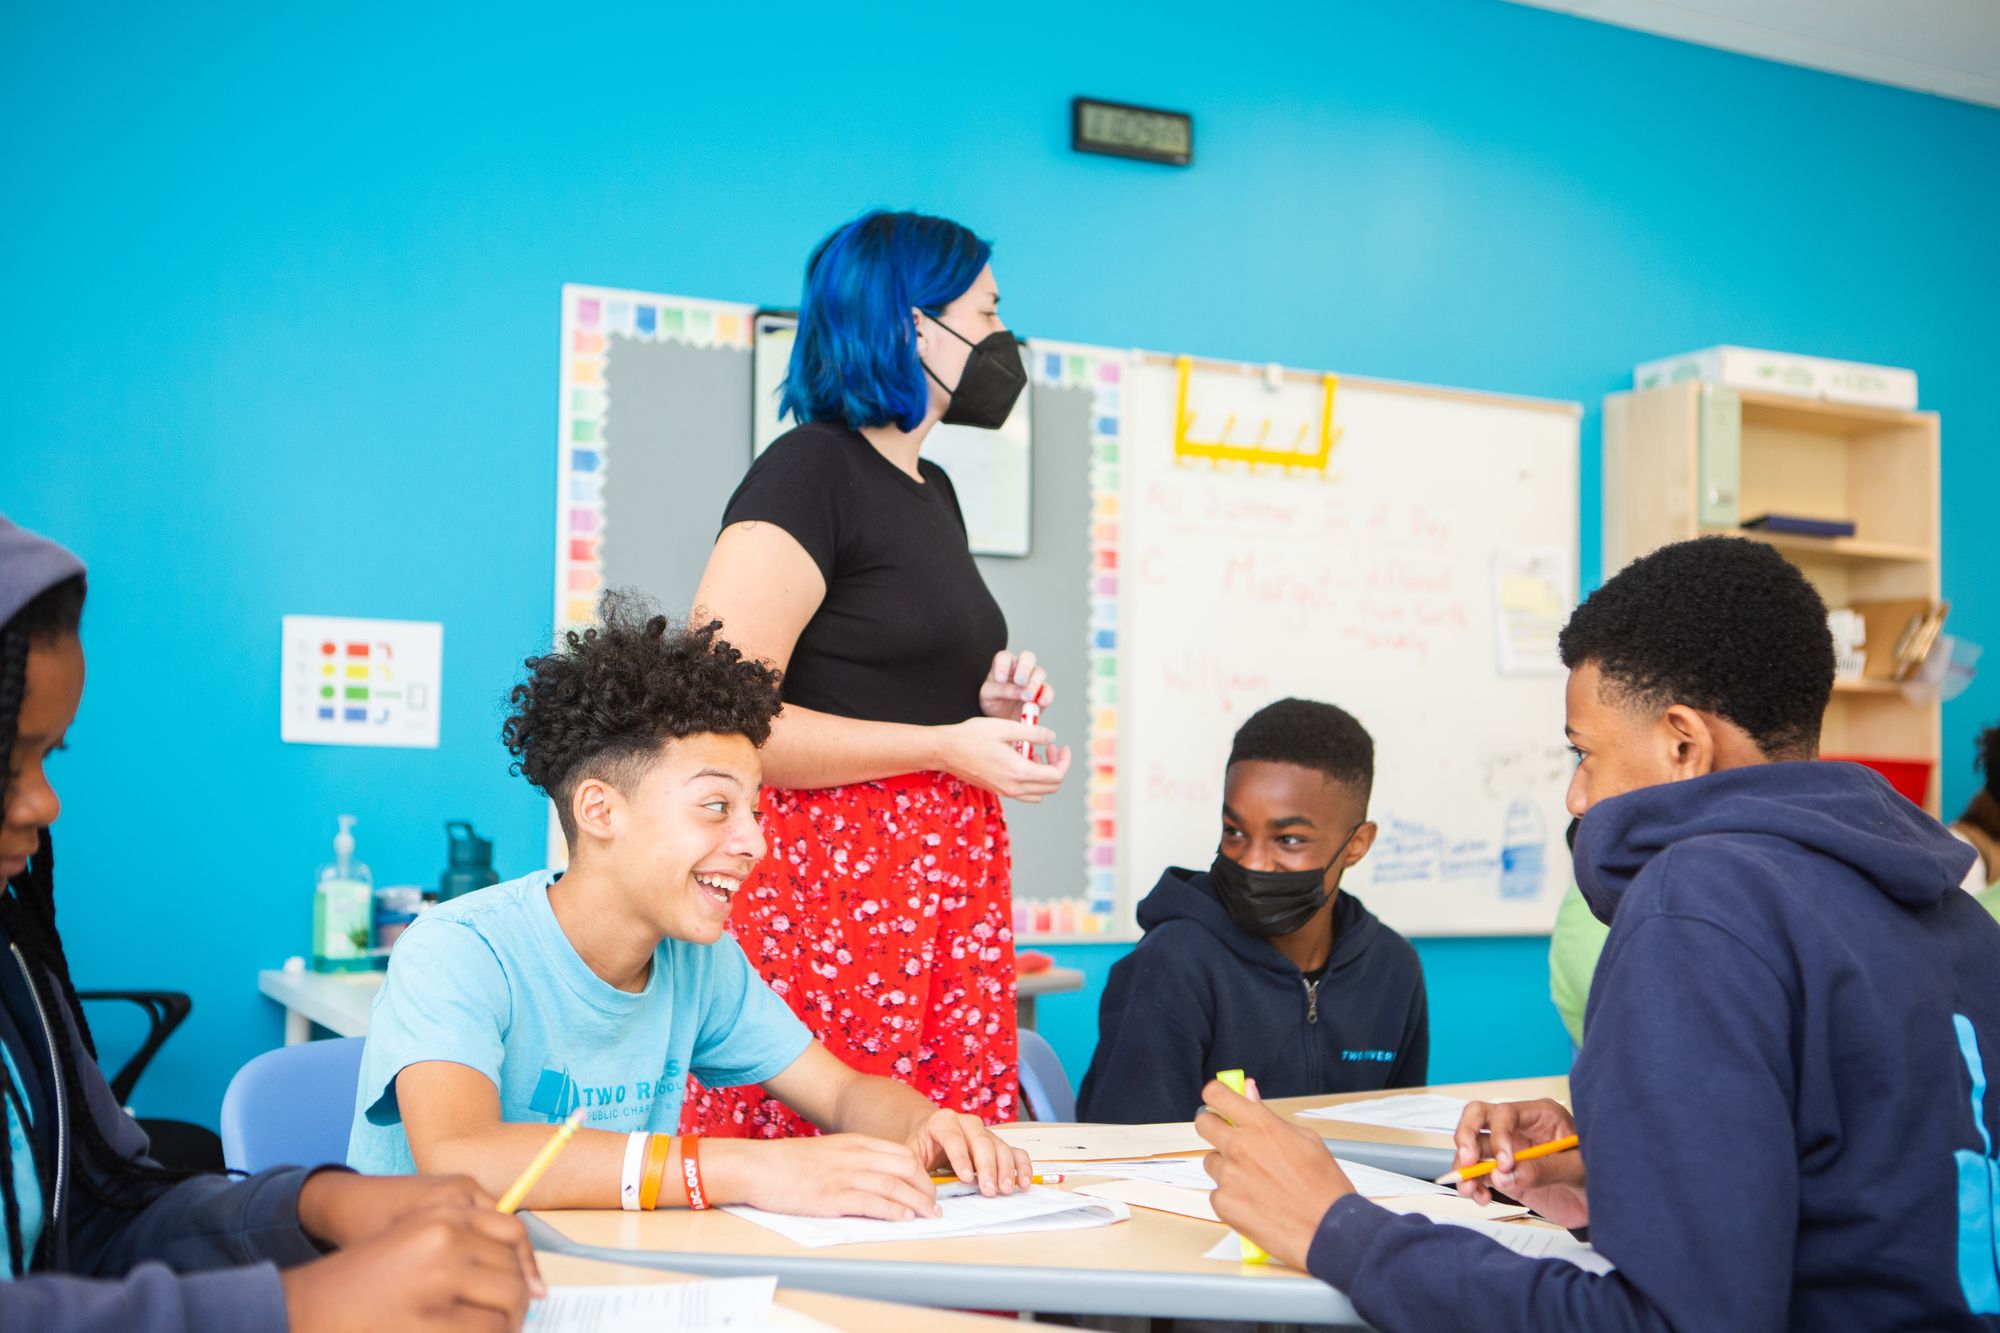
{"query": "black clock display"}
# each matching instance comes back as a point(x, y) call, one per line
point(1123, 130)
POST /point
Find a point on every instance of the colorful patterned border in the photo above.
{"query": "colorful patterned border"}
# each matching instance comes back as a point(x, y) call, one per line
point(591, 317)
point(1100, 912)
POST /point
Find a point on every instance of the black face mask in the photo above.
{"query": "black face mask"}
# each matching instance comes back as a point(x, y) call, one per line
point(1574, 825)
point(990, 383)
point(1269, 903)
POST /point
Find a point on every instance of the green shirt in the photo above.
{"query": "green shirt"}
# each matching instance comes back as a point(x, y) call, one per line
point(1573, 948)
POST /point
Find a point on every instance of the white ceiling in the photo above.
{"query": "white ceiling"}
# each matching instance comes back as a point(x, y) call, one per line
point(1947, 47)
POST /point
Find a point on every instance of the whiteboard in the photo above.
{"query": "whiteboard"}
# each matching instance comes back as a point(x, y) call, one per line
point(1407, 556)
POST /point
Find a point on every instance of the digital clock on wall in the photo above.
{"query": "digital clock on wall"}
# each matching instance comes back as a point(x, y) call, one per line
point(1122, 130)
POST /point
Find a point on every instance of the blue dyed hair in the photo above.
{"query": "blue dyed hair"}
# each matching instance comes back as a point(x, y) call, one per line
point(855, 358)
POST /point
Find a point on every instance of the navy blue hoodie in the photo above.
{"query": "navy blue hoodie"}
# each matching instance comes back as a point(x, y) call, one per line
point(201, 1256)
point(1199, 993)
point(1781, 1096)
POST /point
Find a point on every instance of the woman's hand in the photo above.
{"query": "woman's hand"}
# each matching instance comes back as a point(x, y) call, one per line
point(961, 1144)
point(1553, 1186)
point(981, 750)
point(1014, 679)
point(446, 1267)
point(836, 1175)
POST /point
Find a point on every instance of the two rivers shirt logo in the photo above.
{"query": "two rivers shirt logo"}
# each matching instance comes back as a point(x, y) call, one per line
point(1371, 1057)
point(557, 1095)
point(1978, 1191)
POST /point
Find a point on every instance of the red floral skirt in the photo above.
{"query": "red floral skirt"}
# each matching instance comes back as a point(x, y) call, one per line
point(882, 915)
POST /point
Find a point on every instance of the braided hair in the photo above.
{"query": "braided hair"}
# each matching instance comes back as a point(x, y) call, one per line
point(28, 916)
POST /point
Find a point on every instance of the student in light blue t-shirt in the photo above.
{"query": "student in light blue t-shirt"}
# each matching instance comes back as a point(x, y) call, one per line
point(604, 987)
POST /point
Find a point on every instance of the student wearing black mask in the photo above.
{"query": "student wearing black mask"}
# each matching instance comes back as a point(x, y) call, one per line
point(1262, 963)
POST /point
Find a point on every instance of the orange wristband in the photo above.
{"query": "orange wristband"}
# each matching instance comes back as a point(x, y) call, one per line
point(691, 1171)
point(654, 1171)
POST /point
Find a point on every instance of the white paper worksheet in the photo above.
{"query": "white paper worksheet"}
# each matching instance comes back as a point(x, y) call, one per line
point(1187, 1173)
point(966, 1213)
point(1086, 1143)
point(724, 1305)
point(1413, 1110)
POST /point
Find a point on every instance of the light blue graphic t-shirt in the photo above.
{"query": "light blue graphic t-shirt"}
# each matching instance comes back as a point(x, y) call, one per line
point(27, 1185)
point(490, 981)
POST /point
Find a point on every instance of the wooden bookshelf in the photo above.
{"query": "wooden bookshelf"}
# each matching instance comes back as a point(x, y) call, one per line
point(1875, 467)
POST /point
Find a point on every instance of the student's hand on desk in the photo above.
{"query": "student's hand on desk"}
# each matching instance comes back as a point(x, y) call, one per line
point(1012, 679)
point(835, 1175)
point(980, 750)
point(949, 1141)
point(1553, 1186)
point(1273, 1180)
point(446, 1267)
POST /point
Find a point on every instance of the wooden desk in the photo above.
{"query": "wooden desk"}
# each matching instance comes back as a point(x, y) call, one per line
point(840, 1312)
point(340, 1001)
point(1151, 1265)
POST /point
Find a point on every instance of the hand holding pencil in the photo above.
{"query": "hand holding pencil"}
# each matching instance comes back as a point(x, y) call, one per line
point(1512, 1147)
point(1478, 1169)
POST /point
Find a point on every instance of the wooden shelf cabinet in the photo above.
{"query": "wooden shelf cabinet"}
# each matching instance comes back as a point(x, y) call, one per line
point(1875, 467)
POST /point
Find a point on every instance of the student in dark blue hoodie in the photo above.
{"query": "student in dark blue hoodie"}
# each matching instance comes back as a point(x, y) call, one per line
point(1782, 1096)
point(1262, 963)
point(95, 1236)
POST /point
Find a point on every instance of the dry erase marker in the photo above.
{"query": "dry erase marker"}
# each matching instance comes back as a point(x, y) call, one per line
point(951, 1178)
point(1478, 1169)
point(519, 1189)
point(1233, 1080)
point(1031, 714)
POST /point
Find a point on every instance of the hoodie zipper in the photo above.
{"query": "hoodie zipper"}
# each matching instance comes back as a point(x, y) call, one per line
point(55, 1068)
point(1312, 999)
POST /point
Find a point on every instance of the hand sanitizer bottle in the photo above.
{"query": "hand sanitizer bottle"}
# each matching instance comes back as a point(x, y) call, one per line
point(343, 906)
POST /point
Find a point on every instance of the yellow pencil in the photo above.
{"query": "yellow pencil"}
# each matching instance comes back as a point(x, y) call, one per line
point(951, 1178)
point(1478, 1169)
point(519, 1189)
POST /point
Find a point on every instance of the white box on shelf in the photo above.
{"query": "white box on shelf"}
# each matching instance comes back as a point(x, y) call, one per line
point(1784, 372)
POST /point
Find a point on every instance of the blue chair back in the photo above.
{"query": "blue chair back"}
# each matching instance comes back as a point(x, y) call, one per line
point(293, 1106)
point(1045, 1089)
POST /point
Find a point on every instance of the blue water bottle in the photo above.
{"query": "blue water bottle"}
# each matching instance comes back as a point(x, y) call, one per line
point(468, 864)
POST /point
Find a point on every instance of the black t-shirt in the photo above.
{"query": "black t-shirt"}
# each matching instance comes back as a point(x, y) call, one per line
point(908, 630)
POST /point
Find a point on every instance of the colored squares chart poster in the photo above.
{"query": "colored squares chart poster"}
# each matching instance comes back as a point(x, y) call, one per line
point(361, 682)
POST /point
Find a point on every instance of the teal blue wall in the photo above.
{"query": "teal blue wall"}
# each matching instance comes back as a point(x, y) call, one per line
point(282, 295)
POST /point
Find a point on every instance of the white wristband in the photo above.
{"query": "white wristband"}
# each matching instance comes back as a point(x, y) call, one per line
point(635, 1162)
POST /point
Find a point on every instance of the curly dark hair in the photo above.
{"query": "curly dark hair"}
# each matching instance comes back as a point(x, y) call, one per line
point(605, 702)
point(1986, 759)
point(1312, 735)
point(1722, 624)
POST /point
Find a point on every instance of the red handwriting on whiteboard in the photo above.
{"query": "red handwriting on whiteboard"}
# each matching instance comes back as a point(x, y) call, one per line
point(1203, 674)
point(1300, 595)
point(1165, 788)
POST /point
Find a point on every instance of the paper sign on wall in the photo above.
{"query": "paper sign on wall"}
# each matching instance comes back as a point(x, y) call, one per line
point(1533, 594)
point(360, 682)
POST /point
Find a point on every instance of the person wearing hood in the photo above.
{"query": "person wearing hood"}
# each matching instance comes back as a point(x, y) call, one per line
point(1262, 963)
point(1980, 825)
point(1782, 1099)
point(95, 1236)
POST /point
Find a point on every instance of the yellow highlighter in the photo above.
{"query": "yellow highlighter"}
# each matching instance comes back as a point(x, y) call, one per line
point(1232, 1079)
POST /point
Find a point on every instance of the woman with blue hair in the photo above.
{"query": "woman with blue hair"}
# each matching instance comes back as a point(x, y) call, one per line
point(882, 914)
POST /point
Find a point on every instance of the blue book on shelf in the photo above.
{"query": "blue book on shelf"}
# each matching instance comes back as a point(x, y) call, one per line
point(1801, 527)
